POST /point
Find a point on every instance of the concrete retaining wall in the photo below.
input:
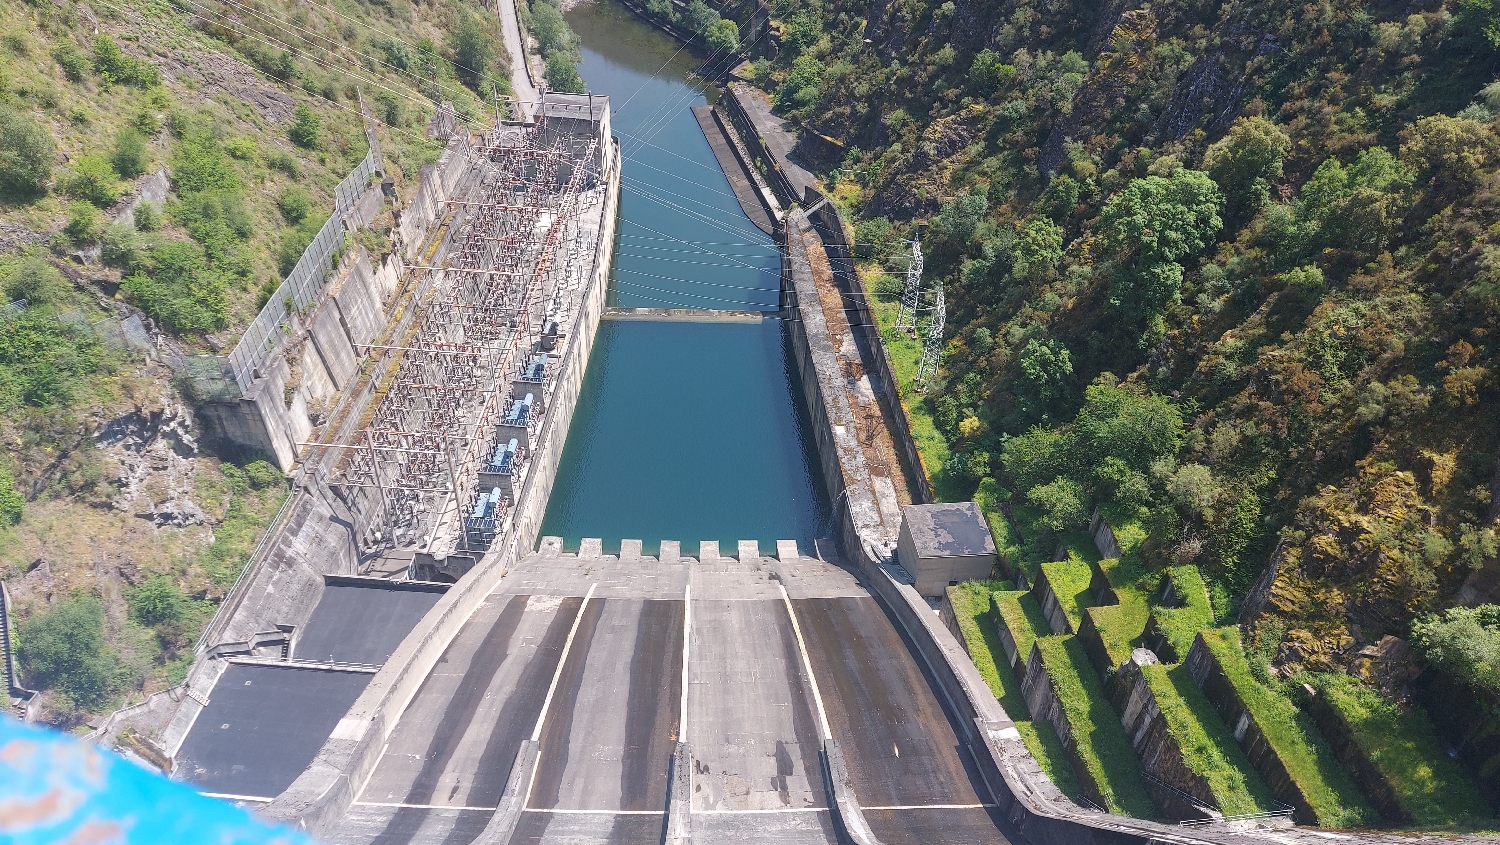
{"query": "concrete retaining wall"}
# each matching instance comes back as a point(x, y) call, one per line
point(1210, 677)
point(1370, 779)
point(1044, 704)
point(323, 793)
point(1051, 606)
point(1158, 749)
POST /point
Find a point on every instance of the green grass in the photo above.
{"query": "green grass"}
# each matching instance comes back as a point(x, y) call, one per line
point(1295, 740)
point(904, 353)
point(1403, 747)
point(1208, 748)
point(1181, 624)
point(1120, 625)
point(1023, 617)
point(1100, 740)
point(1043, 743)
point(1070, 580)
point(971, 605)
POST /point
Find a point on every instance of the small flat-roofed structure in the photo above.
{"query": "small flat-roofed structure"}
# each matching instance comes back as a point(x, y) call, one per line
point(944, 544)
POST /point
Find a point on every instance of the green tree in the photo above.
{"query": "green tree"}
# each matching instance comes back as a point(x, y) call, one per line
point(562, 73)
point(1035, 457)
point(1037, 250)
point(1125, 422)
point(1063, 503)
point(93, 180)
point(129, 156)
point(12, 503)
point(63, 648)
point(293, 204)
point(1450, 150)
point(1152, 224)
point(1047, 369)
point(959, 217)
point(1353, 207)
point(114, 66)
point(1244, 163)
point(26, 154)
point(473, 51)
point(84, 226)
point(987, 72)
point(157, 600)
point(305, 127)
point(723, 37)
point(699, 16)
point(35, 280)
point(1463, 641)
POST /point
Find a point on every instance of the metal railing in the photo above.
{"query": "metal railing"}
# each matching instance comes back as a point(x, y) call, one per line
point(1282, 811)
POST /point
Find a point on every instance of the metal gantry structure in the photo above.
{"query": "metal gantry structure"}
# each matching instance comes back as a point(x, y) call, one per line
point(906, 315)
point(932, 347)
point(512, 242)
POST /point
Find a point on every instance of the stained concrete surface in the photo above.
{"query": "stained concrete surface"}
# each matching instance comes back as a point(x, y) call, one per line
point(455, 743)
point(612, 723)
point(610, 732)
point(363, 620)
point(263, 725)
point(751, 726)
point(901, 748)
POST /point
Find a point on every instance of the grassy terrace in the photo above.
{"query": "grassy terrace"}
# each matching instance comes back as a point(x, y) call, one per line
point(1022, 616)
point(1180, 625)
point(1103, 747)
point(971, 604)
point(1208, 748)
point(1329, 790)
point(1403, 747)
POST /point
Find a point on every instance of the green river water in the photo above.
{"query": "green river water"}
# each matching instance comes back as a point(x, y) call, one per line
point(684, 431)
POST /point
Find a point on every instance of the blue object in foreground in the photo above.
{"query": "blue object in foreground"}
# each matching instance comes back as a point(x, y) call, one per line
point(55, 788)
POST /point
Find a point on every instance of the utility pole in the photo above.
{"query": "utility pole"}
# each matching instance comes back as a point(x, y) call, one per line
point(906, 315)
point(932, 349)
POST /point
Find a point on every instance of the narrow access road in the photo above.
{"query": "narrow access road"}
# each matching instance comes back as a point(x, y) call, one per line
point(520, 81)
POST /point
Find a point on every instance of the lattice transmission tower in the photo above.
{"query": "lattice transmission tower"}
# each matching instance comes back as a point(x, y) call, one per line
point(906, 315)
point(932, 348)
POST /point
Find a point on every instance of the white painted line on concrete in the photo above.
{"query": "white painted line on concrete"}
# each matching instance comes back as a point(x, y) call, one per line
point(558, 811)
point(687, 636)
point(536, 733)
point(229, 796)
point(933, 807)
point(562, 661)
point(760, 812)
point(399, 805)
point(807, 664)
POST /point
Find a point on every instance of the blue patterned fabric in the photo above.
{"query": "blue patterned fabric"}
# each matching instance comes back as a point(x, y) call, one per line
point(58, 789)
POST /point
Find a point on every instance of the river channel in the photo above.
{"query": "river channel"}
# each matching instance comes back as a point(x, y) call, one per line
point(684, 431)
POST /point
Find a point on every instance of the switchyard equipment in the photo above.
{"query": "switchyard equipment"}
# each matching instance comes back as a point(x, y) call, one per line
point(511, 249)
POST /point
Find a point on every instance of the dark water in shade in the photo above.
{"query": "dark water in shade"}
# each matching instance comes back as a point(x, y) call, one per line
point(684, 431)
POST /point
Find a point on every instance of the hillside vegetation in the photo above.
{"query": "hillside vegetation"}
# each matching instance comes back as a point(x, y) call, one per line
point(1229, 271)
point(170, 161)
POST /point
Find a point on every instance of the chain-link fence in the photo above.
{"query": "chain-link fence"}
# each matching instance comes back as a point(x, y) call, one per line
point(266, 334)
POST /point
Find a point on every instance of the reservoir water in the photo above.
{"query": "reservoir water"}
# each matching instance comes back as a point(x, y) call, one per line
point(684, 431)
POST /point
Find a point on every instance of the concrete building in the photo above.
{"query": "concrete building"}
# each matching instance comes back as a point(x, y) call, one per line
point(944, 544)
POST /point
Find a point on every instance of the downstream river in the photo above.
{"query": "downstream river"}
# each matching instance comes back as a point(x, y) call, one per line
point(684, 431)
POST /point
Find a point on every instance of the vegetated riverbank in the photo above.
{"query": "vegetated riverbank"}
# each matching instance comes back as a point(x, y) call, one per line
point(1248, 392)
point(164, 170)
point(685, 431)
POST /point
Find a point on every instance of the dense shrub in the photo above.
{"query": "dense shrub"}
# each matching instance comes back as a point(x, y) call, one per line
point(92, 179)
point(35, 280)
point(129, 156)
point(63, 648)
point(12, 503)
point(26, 154)
point(305, 127)
point(157, 600)
point(114, 66)
point(177, 287)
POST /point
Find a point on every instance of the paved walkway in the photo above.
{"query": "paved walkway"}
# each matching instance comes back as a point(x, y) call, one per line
point(520, 80)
